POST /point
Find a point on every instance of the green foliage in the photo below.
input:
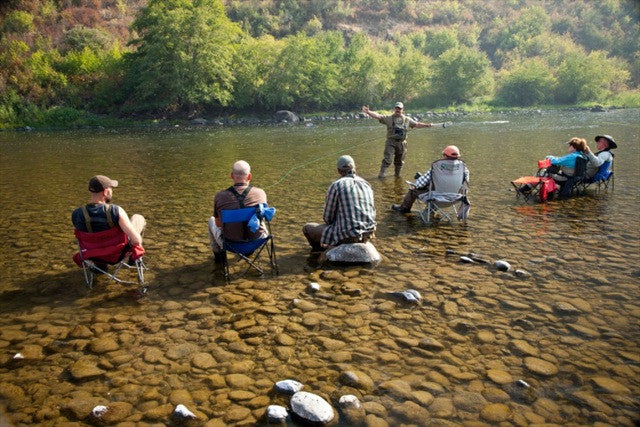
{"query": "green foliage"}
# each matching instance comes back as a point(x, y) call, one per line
point(437, 42)
point(306, 74)
point(459, 75)
point(583, 77)
point(411, 77)
point(17, 21)
point(528, 83)
point(366, 73)
point(183, 57)
point(254, 60)
point(81, 37)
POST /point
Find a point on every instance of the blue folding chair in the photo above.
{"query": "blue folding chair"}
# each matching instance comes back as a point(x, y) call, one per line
point(602, 178)
point(249, 250)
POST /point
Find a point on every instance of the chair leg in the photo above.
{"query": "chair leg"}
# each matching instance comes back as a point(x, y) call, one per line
point(225, 266)
point(88, 275)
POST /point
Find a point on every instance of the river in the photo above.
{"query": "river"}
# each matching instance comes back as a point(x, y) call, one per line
point(569, 329)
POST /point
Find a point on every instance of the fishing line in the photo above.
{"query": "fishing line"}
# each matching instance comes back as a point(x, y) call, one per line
point(333, 153)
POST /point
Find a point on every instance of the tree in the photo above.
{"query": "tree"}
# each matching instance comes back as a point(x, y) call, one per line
point(306, 75)
point(459, 75)
point(583, 77)
point(184, 56)
point(528, 83)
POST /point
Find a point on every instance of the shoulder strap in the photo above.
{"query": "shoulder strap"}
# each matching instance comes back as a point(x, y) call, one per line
point(107, 210)
point(239, 196)
point(87, 218)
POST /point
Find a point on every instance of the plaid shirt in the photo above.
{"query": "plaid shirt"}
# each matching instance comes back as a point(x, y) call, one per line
point(349, 210)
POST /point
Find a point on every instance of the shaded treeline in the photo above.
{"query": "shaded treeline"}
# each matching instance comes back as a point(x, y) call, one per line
point(61, 59)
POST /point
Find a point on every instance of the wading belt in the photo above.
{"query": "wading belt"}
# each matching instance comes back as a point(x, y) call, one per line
point(87, 218)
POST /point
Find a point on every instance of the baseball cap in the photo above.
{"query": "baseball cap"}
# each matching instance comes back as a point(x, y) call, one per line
point(99, 182)
point(451, 151)
point(399, 105)
point(346, 162)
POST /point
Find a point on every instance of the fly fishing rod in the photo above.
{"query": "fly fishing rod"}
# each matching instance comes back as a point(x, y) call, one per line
point(442, 124)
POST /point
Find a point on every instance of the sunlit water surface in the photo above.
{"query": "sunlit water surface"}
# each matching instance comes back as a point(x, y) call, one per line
point(570, 330)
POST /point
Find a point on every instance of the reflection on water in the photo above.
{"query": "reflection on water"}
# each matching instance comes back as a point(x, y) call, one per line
point(566, 324)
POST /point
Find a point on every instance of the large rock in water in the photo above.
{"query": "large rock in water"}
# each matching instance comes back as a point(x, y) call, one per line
point(286, 116)
point(354, 253)
point(311, 408)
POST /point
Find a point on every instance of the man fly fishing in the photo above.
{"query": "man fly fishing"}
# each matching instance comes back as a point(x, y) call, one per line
point(395, 146)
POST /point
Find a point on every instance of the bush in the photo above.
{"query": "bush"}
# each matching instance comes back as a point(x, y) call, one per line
point(530, 83)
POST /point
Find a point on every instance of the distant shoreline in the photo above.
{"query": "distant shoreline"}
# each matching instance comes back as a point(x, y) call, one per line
point(89, 122)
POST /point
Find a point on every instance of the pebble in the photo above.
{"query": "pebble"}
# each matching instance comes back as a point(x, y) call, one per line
point(541, 367)
point(311, 407)
point(502, 265)
point(277, 414)
point(495, 412)
point(288, 386)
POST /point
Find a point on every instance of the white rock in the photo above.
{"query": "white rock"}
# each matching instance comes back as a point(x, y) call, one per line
point(18, 356)
point(277, 414)
point(99, 411)
point(314, 286)
point(349, 401)
point(415, 294)
point(183, 412)
point(311, 407)
point(502, 265)
point(354, 253)
point(466, 260)
point(288, 386)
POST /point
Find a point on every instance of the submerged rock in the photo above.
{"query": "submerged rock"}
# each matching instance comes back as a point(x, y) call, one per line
point(311, 407)
point(502, 265)
point(277, 414)
point(288, 386)
point(354, 253)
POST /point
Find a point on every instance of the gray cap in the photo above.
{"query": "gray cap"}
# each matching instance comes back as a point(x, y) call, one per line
point(99, 182)
point(400, 104)
point(346, 163)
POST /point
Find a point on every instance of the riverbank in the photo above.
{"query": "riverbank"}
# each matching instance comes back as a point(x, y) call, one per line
point(72, 119)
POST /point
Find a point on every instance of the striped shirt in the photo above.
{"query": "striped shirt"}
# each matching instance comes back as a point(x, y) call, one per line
point(349, 210)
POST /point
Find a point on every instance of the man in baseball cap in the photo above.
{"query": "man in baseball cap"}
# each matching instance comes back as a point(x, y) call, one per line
point(100, 215)
point(450, 162)
point(349, 213)
point(395, 147)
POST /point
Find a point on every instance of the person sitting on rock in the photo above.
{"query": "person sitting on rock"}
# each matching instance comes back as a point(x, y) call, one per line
point(450, 160)
point(349, 213)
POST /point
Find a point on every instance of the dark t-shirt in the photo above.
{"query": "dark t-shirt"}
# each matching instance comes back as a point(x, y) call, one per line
point(225, 199)
point(98, 216)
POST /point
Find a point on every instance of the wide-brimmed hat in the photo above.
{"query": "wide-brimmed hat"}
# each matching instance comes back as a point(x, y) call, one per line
point(99, 182)
point(451, 151)
point(612, 143)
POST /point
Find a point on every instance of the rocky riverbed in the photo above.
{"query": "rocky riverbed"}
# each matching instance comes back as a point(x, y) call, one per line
point(481, 346)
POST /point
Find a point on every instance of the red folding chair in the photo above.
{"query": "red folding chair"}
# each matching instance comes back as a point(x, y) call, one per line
point(109, 247)
point(536, 187)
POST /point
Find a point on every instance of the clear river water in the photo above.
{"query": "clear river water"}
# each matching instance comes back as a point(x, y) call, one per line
point(559, 345)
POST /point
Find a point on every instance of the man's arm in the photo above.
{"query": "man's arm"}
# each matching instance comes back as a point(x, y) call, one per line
point(372, 114)
point(595, 160)
point(330, 205)
point(125, 224)
point(423, 125)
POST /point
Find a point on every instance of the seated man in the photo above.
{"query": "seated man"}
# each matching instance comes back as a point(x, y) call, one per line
point(240, 195)
point(450, 159)
point(604, 143)
point(349, 213)
point(99, 215)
